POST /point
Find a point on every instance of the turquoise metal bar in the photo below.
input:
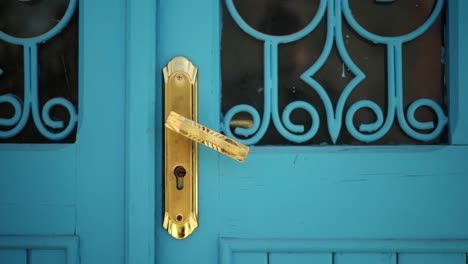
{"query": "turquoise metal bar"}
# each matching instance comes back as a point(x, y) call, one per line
point(334, 10)
point(42, 119)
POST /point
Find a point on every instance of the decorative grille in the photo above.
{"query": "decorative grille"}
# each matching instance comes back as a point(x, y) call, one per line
point(48, 61)
point(339, 115)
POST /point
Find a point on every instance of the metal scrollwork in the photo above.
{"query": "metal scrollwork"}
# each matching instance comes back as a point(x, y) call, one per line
point(335, 10)
point(30, 104)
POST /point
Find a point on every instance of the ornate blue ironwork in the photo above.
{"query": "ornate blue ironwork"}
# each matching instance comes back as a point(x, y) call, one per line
point(30, 104)
point(335, 10)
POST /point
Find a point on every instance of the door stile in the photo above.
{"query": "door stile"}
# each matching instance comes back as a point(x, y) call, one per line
point(142, 134)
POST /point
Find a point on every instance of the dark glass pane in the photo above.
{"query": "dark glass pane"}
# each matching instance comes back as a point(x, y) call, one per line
point(57, 62)
point(277, 17)
point(242, 62)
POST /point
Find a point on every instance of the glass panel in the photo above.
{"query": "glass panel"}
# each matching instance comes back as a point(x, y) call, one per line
point(28, 32)
point(356, 68)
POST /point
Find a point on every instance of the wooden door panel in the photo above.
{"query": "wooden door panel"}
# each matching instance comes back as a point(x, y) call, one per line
point(64, 203)
point(39, 249)
point(343, 251)
point(365, 258)
point(250, 258)
point(40, 256)
point(287, 258)
point(397, 192)
point(449, 258)
point(38, 182)
point(312, 200)
point(13, 256)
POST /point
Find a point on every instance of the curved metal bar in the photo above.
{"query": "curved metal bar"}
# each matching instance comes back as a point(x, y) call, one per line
point(246, 132)
point(14, 102)
point(442, 119)
point(283, 129)
point(47, 35)
point(395, 94)
point(369, 128)
point(377, 127)
point(271, 86)
point(257, 129)
point(300, 128)
point(307, 76)
point(388, 40)
point(368, 132)
point(31, 99)
point(335, 127)
point(46, 110)
point(24, 114)
point(278, 39)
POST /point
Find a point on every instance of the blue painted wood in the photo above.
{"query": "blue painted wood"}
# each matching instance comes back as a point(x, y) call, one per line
point(456, 70)
point(228, 246)
point(250, 258)
point(301, 258)
point(43, 190)
point(46, 247)
point(13, 256)
point(199, 42)
point(343, 251)
point(432, 258)
point(351, 192)
point(289, 196)
point(53, 219)
point(100, 156)
point(141, 131)
point(60, 192)
point(365, 258)
point(47, 256)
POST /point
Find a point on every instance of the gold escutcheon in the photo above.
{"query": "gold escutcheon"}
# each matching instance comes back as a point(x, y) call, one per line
point(181, 185)
point(182, 132)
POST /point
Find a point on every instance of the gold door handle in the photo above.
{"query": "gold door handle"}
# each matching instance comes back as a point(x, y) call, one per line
point(181, 136)
point(203, 135)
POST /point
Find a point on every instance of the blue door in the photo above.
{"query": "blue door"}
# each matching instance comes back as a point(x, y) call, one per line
point(62, 200)
point(372, 202)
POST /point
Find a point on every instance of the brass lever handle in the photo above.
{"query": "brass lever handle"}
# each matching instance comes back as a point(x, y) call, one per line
point(181, 148)
point(206, 136)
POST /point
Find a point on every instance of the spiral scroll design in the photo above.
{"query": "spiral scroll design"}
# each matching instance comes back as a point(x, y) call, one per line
point(408, 123)
point(334, 10)
point(30, 105)
point(283, 124)
point(13, 121)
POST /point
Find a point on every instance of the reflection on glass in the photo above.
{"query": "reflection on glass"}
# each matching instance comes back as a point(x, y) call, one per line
point(242, 63)
point(57, 61)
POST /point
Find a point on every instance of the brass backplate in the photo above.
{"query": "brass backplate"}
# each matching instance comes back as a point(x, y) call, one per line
point(181, 153)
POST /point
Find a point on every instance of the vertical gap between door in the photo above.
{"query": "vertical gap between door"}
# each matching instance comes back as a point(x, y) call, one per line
point(28, 256)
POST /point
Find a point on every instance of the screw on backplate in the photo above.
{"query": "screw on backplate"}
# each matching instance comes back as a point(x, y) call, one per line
point(179, 218)
point(179, 77)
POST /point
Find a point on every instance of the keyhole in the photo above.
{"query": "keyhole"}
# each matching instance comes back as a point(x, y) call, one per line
point(180, 173)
